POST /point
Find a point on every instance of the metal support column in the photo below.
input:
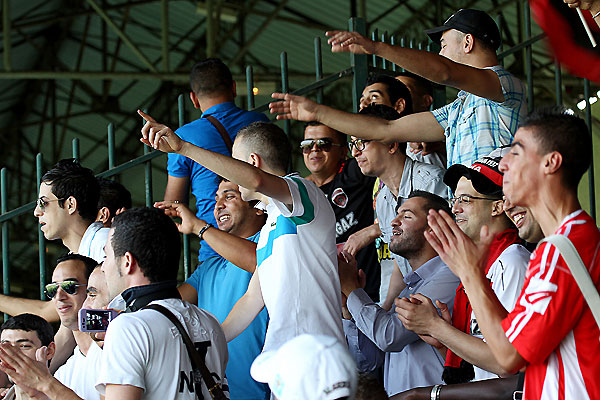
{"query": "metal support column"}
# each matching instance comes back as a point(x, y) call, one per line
point(39, 162)
point(359, 64)
point(186, 238)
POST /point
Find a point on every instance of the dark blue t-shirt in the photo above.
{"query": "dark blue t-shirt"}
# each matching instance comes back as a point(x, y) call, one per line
point(202, 133)
point(220, 284)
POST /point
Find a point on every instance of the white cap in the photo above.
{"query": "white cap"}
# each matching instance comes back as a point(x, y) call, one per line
point(308, 367)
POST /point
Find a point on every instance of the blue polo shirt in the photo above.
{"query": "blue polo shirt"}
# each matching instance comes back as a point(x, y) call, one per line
point(202, 133)
point(220, 284)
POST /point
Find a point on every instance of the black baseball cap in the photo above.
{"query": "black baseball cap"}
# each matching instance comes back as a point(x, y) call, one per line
point(475, 22)
point(484, 174)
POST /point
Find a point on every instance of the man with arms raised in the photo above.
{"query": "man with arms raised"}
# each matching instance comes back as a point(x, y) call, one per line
point(483, 117)
point(551, 330)
point(299, 234)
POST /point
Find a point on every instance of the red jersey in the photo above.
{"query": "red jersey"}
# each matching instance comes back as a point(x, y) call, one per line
point(552, 326)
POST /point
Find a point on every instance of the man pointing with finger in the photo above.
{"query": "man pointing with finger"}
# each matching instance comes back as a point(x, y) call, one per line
point(483, 117)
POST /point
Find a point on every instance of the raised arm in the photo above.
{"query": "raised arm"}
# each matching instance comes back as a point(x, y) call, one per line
point(244, 311)
point(420, 127)
point(431, 66)
point(162, 138)
point(16, 305)
point(238, 251)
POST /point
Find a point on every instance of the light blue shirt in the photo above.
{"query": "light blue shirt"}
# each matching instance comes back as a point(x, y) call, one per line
point(220, 284)
point(377, 336)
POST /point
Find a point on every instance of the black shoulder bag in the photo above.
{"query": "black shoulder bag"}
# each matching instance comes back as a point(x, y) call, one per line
point(199, 370)
point(222, 131)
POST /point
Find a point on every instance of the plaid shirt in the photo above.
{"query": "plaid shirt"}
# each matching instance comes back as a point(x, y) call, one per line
point(474, 126)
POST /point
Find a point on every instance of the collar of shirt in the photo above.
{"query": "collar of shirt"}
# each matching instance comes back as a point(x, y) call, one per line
point(140, 296)
point(424, 272)
point(219, 108)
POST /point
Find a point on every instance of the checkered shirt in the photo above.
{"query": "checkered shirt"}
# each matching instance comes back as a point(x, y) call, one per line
point(474, 126)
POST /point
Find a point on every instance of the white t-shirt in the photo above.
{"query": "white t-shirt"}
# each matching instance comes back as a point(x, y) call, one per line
point(297, 266)
point(80, 372)
point(144, 349)
point(507, 275)
point(93, 241)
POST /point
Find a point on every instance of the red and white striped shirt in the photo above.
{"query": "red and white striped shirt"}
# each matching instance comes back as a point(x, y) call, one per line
point(552, 326)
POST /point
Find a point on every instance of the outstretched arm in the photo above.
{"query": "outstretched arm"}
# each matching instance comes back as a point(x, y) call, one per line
point(16, 305)
point(238, 251)
point(244, 311)
point(162, 138)
point(431, 66)
point(420, 127)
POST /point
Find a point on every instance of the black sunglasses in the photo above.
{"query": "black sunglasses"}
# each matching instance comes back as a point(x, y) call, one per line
point(323, 144)
point(69, 287)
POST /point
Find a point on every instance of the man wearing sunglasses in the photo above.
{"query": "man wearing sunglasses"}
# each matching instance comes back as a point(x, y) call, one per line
point(348, 191)
point(477, 202)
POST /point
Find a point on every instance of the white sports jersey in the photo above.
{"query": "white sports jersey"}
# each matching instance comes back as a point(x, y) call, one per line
point(93, 241)
point(80, 372)
point(297, 266)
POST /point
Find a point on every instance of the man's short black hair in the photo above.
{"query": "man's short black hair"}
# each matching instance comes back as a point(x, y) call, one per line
point(88, 262)
point(395, 90)
point(557, 129)
point(342, 138)
point(68, 178)
point(113, 196)
point(268, 141)
point(433, 201)
point(384, 112)
point(28, 323)
point(423, 85)
point(209, 77)
point(152, 239)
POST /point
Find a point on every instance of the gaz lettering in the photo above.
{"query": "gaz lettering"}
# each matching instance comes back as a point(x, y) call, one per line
point(344, 224)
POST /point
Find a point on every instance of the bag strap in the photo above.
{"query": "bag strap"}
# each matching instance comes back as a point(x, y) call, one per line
point(197, 363)
point(222, 131)
point(579, 271)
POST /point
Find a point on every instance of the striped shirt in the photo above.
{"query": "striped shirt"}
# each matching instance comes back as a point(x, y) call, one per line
point(474, 126)
point(552, 326)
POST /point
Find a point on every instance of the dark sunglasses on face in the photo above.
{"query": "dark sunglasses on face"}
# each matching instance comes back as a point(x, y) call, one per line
point(322, 144)
point(43, 203)
point(69, 287)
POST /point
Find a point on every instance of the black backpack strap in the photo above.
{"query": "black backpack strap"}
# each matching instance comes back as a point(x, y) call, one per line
point(222, 131)
point(198, 365)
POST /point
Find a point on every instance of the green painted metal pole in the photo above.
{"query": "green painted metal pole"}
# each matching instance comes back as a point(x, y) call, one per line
point(501, 48)
point(147, 173)
point(164, 19)
point(528, 56)
point(5, 255)
point(186, 238)
point(384, 62)
point(318, 68)
point(39, 162)
point(374, 37)
point(588, 121)
point(250, 87)
point(76, 149)
point(285, 86)
point(393, 43)
point(558, 83)
point(402, 44)
point(111, 146)
point(359, 63)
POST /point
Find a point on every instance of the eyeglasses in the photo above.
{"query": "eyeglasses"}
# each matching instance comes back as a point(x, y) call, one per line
point(69, 287)
point(43, 203)
point(323, 144)
point(359, 144)
point(466, 199)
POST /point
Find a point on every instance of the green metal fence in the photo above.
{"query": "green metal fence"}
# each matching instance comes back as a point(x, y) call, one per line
point(360, 66)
